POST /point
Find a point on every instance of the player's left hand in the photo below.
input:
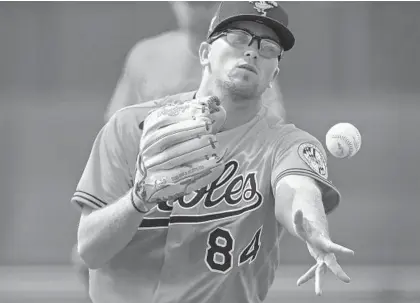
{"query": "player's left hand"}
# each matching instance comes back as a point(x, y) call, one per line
point(322, 249)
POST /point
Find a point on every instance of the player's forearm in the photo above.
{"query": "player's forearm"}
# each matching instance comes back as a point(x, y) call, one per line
point(309, 201)
point(105, 232)
point(294, 195)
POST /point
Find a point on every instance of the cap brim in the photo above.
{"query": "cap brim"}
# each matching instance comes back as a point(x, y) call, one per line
point(286, 37)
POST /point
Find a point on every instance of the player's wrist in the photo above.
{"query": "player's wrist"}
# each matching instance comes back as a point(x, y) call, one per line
point(137, 202)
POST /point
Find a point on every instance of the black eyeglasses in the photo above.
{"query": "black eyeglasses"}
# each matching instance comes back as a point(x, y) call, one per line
point(240, 38)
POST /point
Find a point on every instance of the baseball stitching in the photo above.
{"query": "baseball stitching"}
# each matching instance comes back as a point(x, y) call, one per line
point(359, 139)
point(345, 139)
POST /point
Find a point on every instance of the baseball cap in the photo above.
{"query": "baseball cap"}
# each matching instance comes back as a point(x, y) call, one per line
point(267, 12)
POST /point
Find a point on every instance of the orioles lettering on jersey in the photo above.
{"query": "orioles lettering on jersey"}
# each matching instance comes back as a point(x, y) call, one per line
point(240, 193)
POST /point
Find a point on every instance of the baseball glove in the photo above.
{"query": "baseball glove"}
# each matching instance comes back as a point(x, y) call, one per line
point(179, 152)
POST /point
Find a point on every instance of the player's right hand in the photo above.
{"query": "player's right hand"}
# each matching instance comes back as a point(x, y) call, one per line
point(323, 250)
point(179, 152)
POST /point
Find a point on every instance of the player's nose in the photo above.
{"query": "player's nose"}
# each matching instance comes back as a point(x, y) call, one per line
point(252, 50)
point(251, 53)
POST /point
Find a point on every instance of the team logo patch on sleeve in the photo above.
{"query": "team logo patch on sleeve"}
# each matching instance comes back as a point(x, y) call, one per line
point(312, 156)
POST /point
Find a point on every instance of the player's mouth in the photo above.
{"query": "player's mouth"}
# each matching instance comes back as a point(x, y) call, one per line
point(249, 67)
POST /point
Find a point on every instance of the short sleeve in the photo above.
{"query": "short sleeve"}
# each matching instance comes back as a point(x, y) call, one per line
point(299, 153)
point(108, 174)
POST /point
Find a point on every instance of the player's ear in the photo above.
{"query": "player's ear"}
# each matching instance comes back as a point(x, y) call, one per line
point(204, 53)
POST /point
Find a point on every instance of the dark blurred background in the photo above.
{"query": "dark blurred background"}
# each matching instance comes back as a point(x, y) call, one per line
point(353, 62)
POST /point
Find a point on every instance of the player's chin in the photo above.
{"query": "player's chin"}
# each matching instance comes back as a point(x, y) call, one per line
point(247, 79)
point(247, 84)
point(243, 88)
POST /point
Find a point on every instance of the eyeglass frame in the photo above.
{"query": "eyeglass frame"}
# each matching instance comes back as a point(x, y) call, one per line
point(225, 31)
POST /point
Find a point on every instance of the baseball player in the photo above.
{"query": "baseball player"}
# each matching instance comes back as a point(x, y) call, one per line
point(168, 64)
point(185, 198)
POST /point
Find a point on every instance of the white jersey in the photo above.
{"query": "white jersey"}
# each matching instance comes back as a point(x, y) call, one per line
point(218, 244)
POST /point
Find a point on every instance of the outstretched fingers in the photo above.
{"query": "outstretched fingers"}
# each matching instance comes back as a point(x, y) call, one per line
point(331, 261)
point(307, 276)
point(320, 270)
point(331, 247)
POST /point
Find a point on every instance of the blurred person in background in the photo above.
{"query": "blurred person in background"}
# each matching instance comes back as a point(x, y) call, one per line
point(168, 64)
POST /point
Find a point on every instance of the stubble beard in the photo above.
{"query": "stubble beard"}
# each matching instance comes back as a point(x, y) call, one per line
point(239, 91)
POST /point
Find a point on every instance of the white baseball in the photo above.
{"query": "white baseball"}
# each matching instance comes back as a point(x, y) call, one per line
point(343, 140)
